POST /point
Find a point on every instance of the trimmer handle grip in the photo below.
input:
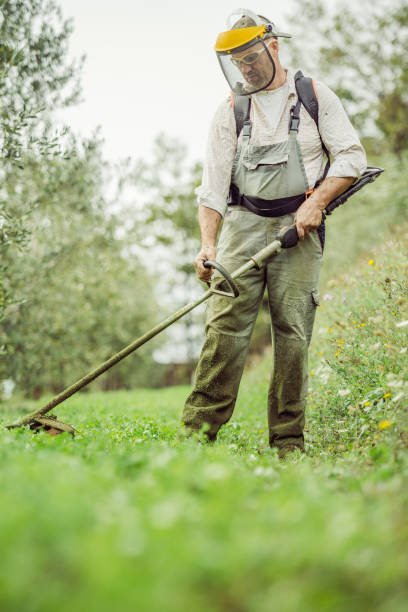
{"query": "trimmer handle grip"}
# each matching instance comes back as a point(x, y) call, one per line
point(232, 286)
point(289, 236)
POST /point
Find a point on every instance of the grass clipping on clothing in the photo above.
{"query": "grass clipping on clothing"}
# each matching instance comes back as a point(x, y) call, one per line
point(128, 517)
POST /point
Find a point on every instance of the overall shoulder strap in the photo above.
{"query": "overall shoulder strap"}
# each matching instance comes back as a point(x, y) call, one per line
point(242, 108)
point(307, 94)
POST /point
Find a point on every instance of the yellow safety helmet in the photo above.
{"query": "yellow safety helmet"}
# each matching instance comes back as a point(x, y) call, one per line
point(243, 55)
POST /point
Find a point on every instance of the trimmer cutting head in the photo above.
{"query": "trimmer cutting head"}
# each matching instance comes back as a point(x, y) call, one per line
point(51, 425)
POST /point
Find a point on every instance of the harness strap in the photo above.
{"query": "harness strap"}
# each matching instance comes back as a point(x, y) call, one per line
point(242, 109)
point(265, 208)
point(273, 208)
point(307, 93)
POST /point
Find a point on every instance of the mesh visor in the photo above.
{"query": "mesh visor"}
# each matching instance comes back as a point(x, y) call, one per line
point(250, 70)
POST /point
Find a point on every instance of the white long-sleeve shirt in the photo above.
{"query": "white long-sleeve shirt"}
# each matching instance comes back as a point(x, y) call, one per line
point(336, 131)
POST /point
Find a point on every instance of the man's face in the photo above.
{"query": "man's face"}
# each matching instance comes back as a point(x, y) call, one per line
point(257, 69)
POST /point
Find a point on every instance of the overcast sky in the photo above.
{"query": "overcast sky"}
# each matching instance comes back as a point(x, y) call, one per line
point(151, 68)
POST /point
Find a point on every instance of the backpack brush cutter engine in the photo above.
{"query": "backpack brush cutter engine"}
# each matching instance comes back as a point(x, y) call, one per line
point(222, 286)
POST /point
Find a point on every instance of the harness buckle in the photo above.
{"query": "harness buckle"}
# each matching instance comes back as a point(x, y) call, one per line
point(247, 129)
point(294, 124)
point(294, 117)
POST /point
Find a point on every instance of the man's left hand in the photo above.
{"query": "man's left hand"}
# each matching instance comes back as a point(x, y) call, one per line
point(308, 217)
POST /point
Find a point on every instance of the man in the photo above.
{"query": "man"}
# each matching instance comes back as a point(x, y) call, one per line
point(269, 170)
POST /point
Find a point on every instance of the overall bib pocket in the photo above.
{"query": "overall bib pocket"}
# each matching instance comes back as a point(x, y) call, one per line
point(264, 170)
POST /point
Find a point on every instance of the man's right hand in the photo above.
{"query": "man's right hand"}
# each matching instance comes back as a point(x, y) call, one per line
point(206, 252)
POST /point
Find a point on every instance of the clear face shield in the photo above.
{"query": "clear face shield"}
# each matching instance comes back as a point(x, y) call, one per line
point(244, 52)
point(248, 69)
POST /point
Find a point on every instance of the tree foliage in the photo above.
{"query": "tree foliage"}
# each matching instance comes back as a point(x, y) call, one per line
point(168, 207)
point(36, 76)
point(71, 291)
point(80, 294)
point(361, 51)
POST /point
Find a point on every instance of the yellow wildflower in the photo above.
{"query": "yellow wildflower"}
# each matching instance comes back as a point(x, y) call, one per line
point(367, 403)
point(312, 373)
point(386, 395)
point(384, 425)
point(371, 262)
point(261, 431)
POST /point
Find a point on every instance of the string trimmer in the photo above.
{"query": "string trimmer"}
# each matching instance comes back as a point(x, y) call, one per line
point(222, 286)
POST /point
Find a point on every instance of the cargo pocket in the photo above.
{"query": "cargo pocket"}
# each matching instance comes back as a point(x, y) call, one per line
point(316, 297)
point(310, 316)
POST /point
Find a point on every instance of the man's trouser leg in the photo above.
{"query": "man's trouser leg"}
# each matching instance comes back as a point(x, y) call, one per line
point(229, 324)
point(292, 278)
point(292, 282)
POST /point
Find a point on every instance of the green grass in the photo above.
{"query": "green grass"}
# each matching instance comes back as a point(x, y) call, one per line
point(128, 517)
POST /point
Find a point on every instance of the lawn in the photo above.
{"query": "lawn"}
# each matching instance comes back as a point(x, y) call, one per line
point(127, 516)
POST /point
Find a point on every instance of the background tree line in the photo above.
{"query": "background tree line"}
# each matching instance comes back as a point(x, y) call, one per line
point(73, 289)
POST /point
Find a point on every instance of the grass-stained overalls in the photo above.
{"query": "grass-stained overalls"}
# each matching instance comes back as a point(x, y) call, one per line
point(273, 178)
